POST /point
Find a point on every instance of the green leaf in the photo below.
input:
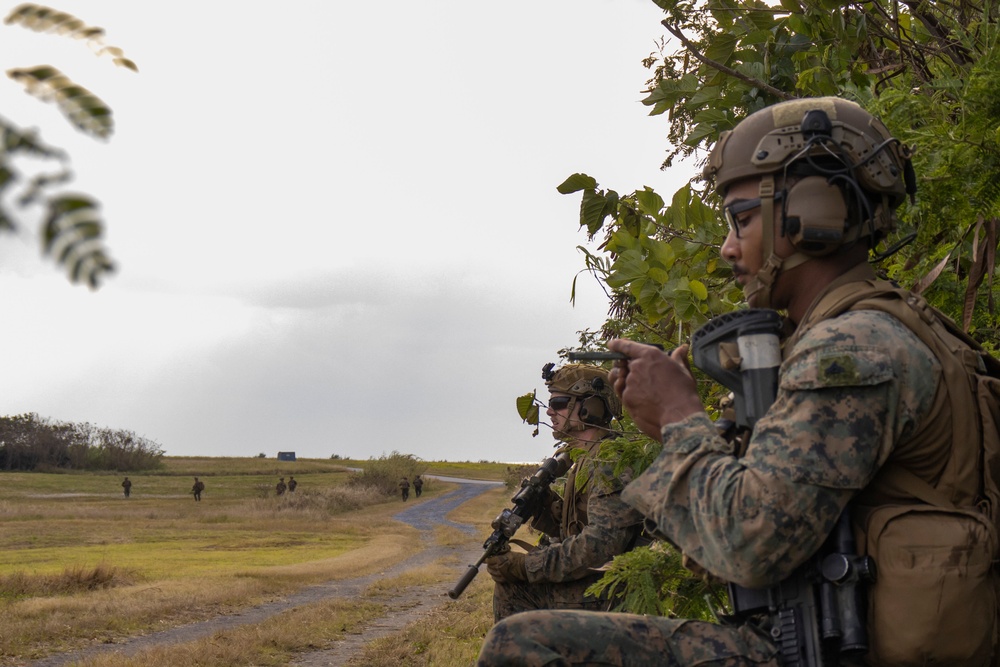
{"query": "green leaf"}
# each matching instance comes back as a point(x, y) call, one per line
point(577, 182)
point(592, 208)
point(649, 202)
point(660, 252)
point(699, 290)
point(622, 240)
point(527, 408)
point(699, 133)
point(721, 48)
point(627, 269)
point(658, 275)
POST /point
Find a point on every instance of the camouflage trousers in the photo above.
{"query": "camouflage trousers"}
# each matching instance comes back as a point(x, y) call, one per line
point(513, 598)
point(563, 638)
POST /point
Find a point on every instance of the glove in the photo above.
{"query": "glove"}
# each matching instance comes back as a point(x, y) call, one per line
point(507, 568)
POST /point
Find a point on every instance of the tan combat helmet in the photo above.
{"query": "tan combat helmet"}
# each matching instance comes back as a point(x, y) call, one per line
point(845, 172)
point(590, 386)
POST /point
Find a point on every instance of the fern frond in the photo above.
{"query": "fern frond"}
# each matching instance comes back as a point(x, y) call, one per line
point(72, 234)
point(83, 109)
point(15, 140)
point(45, 19)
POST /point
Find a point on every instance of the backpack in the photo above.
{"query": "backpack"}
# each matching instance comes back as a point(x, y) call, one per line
point(935, 597)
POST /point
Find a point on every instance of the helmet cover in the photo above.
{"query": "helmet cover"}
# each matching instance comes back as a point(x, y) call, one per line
point(584, 380)
point(768, 141)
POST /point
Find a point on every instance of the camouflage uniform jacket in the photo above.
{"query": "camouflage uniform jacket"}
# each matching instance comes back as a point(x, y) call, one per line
point(852, 389)
point(594, 524)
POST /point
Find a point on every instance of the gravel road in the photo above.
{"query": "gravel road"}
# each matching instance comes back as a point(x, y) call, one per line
point(424, 515)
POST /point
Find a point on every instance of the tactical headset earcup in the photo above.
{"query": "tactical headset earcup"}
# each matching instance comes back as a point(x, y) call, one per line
point(593, 410)
point(815, 218)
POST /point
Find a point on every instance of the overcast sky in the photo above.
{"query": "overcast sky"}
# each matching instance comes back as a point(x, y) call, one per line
point(336, 224)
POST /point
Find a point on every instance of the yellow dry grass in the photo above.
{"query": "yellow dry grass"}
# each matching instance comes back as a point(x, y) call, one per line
point(159, 560)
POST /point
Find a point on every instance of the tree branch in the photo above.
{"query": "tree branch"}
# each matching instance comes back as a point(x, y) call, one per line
point(723, 68)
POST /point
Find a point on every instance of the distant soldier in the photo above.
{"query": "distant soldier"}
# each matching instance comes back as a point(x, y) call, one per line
point(127, 486)
point(418, 486)
point(291, 483)
point(404, 487)
point(198, 487)
point(280, 488)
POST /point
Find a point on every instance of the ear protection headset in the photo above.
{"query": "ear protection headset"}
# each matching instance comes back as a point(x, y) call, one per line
point(816, 217)
point(593, 411)
point(594, 408)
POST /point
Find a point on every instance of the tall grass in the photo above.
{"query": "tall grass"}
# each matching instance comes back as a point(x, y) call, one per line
point(320, 502)
point(74, 579)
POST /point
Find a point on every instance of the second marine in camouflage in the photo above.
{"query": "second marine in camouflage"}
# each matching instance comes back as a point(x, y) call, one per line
point(589, 524)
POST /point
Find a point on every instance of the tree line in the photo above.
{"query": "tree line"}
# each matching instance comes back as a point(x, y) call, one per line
point(31, 442)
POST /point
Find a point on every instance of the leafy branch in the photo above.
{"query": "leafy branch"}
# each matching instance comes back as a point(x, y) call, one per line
point(72, 231)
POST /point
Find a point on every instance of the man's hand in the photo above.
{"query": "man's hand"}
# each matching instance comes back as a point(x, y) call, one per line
point(656, 388)
point(507, 567)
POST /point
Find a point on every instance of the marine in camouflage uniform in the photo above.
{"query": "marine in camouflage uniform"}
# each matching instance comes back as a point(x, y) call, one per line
point(854, 390)
point(586, 527)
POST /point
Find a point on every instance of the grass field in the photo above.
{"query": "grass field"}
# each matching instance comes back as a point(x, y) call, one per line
point(80, 563)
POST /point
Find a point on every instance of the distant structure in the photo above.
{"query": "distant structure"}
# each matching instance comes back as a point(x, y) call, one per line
point(286, 456)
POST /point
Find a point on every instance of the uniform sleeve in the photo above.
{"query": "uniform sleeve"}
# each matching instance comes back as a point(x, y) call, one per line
point(852, 388)
point(612, 526)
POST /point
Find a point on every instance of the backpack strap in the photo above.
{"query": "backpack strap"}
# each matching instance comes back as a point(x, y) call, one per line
point(901, 478)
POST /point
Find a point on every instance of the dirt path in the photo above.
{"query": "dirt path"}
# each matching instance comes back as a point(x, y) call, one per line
point(423, 515)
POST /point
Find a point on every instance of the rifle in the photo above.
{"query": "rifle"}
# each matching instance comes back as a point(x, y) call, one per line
point(817, 613)
point(527, 503)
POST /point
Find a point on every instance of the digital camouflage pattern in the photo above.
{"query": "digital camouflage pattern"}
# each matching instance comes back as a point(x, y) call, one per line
point(563, 638)
point(849, 390)
point(590, 527)
point(852, 390)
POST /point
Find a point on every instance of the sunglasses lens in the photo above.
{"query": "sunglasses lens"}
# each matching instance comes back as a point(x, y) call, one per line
point(559, 402)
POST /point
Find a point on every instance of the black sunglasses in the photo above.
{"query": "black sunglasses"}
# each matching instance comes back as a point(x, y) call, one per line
point(560, 402)
point(731, 211)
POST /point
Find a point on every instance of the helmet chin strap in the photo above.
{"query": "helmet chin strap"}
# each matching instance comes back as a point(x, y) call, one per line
point(572, 425)
point(759, 287)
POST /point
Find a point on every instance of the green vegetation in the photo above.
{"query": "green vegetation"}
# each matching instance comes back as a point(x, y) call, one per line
point(928, 70)
point(30, 442)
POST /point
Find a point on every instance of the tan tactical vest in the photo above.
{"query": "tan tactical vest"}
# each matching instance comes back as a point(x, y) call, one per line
point(930, 516)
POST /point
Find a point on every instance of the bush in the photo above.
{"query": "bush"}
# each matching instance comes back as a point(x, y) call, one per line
point(385, 472)
point(320, 502)
point(513, 475)
point(30, 442)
